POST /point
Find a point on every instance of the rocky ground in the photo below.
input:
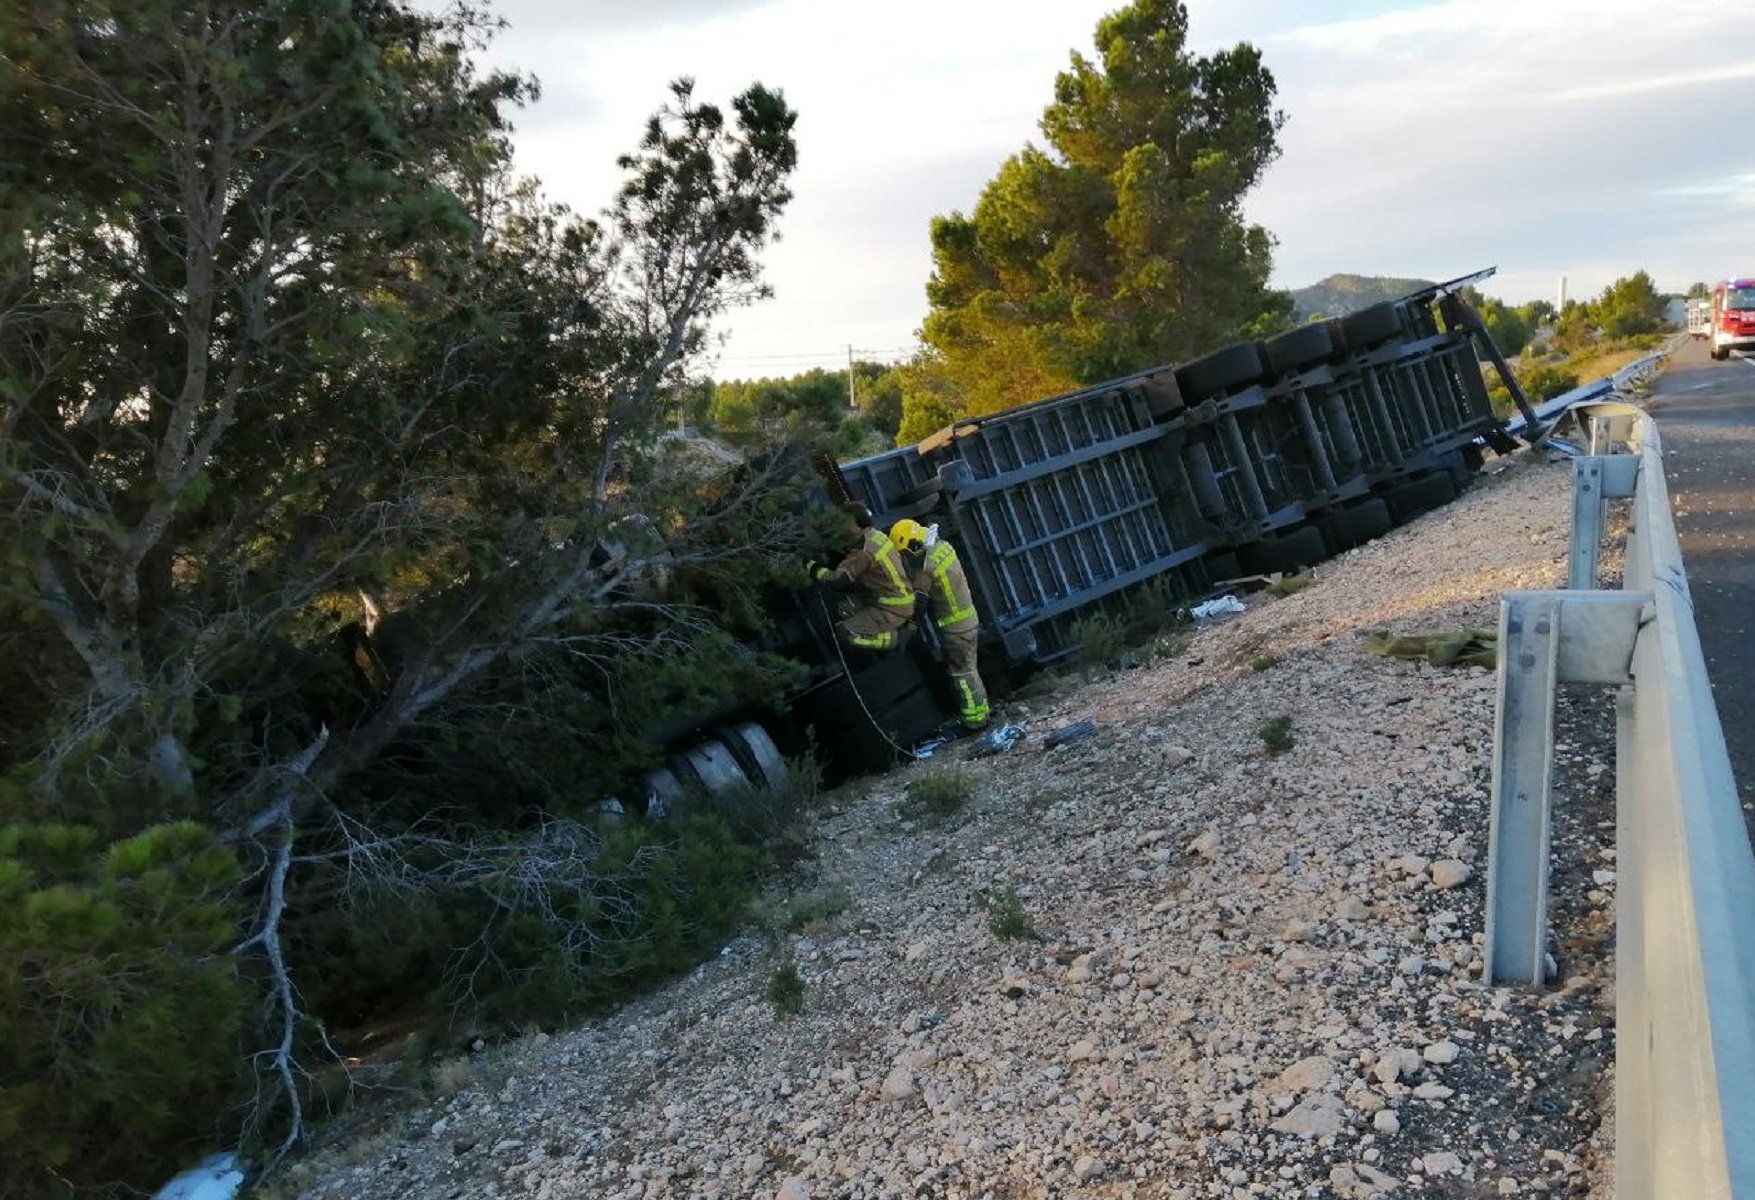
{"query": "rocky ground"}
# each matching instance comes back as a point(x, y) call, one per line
point(1250, 975)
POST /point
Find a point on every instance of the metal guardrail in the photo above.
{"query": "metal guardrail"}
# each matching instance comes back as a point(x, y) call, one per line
point(1685, 954)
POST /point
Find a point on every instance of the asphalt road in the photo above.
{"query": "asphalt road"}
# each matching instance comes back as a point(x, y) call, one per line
point(1706, 416)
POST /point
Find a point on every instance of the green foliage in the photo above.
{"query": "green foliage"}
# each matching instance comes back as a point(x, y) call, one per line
point(878, 390)
point(1100, 639)
point(1510, 328)
point(1276, 735)
point(1140, 620)
point(1265, 662)
point(1700, 291)
point(939, 793)
point(353, 452)
point(122, 1014)
point(1290, 585)
point(1631, 305)
point(1122, 244)
point(654, 900)
point(786, 990)
point(815, 911)
point(1544, 381)
point(1007, 918)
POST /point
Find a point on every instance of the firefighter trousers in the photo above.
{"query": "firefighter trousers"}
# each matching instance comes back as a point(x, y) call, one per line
point(961, 666)
point(873, 627)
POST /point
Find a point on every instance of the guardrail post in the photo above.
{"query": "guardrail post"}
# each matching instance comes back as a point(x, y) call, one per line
point(1523, 757)
point(1595, 479)
point(1545, 639)
point(1587, 521)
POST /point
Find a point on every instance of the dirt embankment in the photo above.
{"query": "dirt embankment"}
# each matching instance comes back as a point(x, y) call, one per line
point(1253, 975)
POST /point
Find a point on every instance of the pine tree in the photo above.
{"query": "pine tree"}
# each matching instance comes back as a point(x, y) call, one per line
point(1122, 244)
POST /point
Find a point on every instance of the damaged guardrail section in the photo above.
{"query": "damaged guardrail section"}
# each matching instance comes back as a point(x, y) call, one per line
point(1685, 908)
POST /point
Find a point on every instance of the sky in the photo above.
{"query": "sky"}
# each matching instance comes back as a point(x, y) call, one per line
point(1584, 138)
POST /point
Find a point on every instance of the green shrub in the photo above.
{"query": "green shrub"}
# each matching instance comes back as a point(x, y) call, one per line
point(815, 910)
point(786, 990)
point(1545, 381)
point(1289, 585)
point(1264, 662)
point(1007, 918)
point(939, 793)
point(1146, 618)
point(1276, 735)
point(1100, 640)
point(657, 898)
point(775, 816)
point(122, 1015)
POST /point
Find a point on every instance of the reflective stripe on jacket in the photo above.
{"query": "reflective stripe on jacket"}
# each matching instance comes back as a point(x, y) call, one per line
point(947, 590)
point(875, 568)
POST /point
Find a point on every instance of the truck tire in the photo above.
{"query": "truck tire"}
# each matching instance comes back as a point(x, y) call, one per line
point(1290, 352)
point(1371, 326)
point(1356, 525)
point(1302, 547)
point(1216, 373)
point(1408, 500)
point(756, 754)
point(1163, 397)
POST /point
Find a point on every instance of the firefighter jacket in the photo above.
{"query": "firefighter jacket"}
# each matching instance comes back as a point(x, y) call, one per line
point(875, 569)
point(948, 598)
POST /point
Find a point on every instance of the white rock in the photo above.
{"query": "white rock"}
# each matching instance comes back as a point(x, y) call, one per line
point(795, 1188)
point(1297, 931)
point(1317, 1071)
point(1352, 909)
point(1318, 1116)
point(1087, 1169)
point(1176, 756)
point(1442, 1162)
point(899, 1085)
point(1387, 1122)
point(1433, 1091)
point(1206, 845)
point(1393, 1064)
point(1450, 872)
point(1441, 1053)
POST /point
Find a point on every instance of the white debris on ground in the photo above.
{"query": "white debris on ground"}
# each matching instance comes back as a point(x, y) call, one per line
point(214, 1178)
point(1253, 975)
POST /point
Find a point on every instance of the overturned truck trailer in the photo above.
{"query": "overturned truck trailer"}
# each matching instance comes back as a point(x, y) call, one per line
point(1257, 457)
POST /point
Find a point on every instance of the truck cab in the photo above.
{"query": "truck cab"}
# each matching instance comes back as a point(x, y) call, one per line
point(1733, 317)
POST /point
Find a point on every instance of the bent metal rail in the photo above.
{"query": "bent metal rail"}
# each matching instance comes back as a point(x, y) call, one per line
point(1684, 956)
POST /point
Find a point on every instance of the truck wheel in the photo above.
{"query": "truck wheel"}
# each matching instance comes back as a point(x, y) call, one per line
point(1290, 352)
point(756, 754)
point(1357, 525)
point(1407, 501)
point(1287, 553)
point(1371, 326)
point(1720, 353)
point(1218, 372)
point(1163, 397)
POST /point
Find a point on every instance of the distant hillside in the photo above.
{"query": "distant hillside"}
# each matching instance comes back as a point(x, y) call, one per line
point(1341, 294)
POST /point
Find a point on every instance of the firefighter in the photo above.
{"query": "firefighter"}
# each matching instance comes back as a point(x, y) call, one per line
point(882, 601)
point(952, 608)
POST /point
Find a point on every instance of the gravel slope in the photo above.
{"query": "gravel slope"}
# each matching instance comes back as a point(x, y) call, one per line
point(1253, 976)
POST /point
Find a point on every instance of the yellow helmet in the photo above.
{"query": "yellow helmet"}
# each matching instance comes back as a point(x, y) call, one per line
point(909, 536)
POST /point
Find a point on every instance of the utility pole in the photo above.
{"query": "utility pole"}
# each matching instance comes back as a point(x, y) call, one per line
point(852, 400)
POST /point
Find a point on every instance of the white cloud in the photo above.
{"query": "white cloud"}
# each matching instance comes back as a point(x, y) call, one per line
point(1546, 136)
point(1640, 85)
